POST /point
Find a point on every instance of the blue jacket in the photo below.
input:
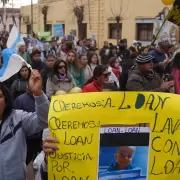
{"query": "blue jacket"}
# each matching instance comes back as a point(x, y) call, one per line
point(13, 138)
point(158, 57)
point(21, 102)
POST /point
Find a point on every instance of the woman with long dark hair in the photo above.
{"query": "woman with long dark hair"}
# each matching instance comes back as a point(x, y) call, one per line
point(76, 68)
point(100, 76)
point(16, 125)
point(60, 79)
point(93, 61)
point(176, 72)
point(71, 57)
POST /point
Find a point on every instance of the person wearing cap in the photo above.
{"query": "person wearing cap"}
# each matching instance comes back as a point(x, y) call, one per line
point(123, 156)
point(143, 77)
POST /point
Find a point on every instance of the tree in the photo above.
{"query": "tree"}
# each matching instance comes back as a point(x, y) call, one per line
point(4, 17)
point(4, 2)
point(118, 11)
point(3, 20)
point(78, 10)
point(44, 12)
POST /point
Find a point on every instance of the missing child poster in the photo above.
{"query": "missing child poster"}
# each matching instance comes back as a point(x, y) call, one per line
point(124, 152)
point(115, 135)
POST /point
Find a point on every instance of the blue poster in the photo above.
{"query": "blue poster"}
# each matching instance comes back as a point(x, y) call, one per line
point(58, 30)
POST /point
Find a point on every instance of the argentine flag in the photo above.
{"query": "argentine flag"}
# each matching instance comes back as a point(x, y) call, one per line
point(12, 63)
point(14, 38)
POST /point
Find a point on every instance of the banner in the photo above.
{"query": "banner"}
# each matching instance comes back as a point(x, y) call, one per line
point(174, 15)
point(58, 30)
point(169, 32)
point(115, 135)
point(45, 35)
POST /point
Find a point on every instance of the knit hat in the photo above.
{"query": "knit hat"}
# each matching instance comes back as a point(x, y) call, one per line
point(143, 59)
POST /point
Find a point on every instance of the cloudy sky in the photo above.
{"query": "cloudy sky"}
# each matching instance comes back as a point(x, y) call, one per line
point(18, 3)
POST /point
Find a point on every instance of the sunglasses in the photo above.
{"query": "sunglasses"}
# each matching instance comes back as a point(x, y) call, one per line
point(107, 74)
point(61, 67)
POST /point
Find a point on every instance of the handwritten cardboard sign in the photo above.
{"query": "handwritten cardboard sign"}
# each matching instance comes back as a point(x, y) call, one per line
point(75, 120)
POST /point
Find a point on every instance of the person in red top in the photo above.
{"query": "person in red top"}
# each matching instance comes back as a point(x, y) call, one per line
point(115, 65)
point(100, 76)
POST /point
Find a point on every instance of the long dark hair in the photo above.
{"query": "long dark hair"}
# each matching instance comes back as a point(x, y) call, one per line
point(8, 100)
point(29, 71)
point(56, 67)
point(112, 62)
point(90, 58)
point(98, 71)
point(176, 61)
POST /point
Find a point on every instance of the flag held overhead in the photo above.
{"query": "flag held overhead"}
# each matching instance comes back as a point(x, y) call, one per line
point(12, 63)
point(174, 14)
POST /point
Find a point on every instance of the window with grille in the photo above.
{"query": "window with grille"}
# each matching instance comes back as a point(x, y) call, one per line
point(144, 31)
point(113, 33)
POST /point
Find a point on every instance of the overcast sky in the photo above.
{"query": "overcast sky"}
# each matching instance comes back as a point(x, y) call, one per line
point(18, 3)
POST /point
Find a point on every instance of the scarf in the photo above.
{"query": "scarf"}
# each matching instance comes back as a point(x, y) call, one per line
point(62, 77)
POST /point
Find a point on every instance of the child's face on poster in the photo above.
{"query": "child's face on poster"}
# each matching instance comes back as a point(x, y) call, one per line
point(124, 156)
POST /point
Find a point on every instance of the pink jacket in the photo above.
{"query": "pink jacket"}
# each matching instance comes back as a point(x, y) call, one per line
point(176, 75)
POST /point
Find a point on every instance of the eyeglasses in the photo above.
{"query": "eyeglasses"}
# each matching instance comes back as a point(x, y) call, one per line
point(61, 67)
point(106, 74)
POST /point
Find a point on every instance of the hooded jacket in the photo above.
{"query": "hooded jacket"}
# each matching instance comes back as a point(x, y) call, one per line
point(138, 82)
point(13, 132)
point(19, 87)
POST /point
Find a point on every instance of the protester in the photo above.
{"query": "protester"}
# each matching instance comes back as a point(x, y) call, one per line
point(60, 79)
point(47, 71)
point(113, 52)
point(100, 76)
point(71, 57)
point(127, 64)
point(133, 48)
point(36, 61)
point(93, 61)
point(159, 53)
point(62, 51)
point(21, 48)
point(144, 50)
point(115, 65)
point(104, 53)
point(143, 78)
point(19, 86)
point(176, 72)
point(34, 141)
point(76, 69)
point(21, 124)
point(124, 52)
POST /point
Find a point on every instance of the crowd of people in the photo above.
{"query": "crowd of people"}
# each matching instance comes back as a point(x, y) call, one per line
point(72, 67)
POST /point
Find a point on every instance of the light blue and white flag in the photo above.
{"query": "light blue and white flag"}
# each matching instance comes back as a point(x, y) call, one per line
point(12, 63)
point(14, 38)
